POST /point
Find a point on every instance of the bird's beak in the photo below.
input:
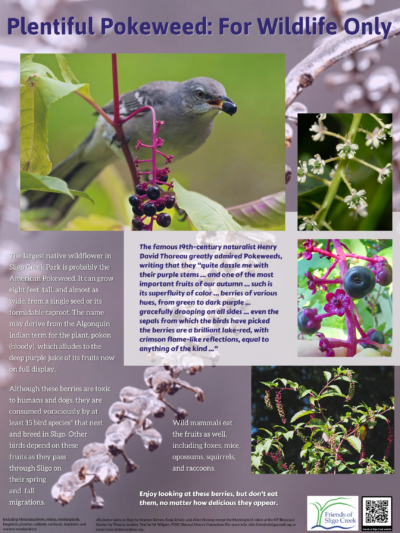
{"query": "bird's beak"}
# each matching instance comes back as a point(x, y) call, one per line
point(223, 103)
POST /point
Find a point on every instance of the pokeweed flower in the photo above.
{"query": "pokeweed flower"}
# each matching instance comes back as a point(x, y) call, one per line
point(386, 130)
point(350, 394)
point(308, 225)
point(302, 172)
point(319, 130)
point(277, 460)
point(362, 455)
point(371, 415)
point(301, 436)
point(333, 171)
point(347, 149)
point(313, 319)
point(324, 345)
point(279, 406)
point(385, 173)
point(308, 246)
point(332, 442)
point(338, 302)
point(267, 400)
point(311, 283)
point(359, 211)
point(374, 140)
point(356, 199)
point(317, 164)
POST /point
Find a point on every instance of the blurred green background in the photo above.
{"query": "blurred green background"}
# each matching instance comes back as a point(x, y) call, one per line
point(379, 197)
point(243, 160)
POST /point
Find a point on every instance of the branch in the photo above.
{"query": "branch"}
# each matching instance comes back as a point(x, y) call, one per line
point(333, 50)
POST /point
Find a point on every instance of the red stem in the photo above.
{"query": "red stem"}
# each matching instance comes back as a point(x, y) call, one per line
point(118, 126)
point(351, 330)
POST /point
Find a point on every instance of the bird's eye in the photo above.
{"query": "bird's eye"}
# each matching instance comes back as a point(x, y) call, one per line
point(200, 93)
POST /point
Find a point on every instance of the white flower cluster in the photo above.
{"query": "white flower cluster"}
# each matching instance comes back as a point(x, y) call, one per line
point(356, 199)
point(308, 225)
point(347, 149)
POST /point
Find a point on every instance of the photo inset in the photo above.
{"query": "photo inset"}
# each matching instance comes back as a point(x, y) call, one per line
point(345, 172)
point(322, 420)
point(345, 298)
point(146, 142)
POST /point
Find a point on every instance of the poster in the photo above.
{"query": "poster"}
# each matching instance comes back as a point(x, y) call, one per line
point(153, 268)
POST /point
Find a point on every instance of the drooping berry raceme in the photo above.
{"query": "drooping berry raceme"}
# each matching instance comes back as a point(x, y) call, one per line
point(267, 399)
point(278, 400)
point(389, 441)
point(150, 199)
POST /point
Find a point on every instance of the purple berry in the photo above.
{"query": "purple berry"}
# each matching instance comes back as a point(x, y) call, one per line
point(153, 192)
point(170, 202)
point(164, 220)
point(149, 209)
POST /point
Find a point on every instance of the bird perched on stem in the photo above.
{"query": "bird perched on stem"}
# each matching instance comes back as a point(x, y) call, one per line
point(188, 109)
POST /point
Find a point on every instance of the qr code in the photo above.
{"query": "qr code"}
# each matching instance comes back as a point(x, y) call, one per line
point(377, 513)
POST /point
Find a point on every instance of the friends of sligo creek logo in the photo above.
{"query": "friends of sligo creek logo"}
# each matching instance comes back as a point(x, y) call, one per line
point(333, 513)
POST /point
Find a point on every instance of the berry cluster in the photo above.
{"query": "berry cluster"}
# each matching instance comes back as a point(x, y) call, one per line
point(147, 202)
point(150, 200)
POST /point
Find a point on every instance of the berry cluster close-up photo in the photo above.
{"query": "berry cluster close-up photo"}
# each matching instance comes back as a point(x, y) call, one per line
point(345, 298)
point(148, 203)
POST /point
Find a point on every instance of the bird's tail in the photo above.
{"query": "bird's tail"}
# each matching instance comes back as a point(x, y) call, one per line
point(78, 172)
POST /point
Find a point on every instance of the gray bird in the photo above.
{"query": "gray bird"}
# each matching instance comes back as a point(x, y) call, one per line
point(188, 110)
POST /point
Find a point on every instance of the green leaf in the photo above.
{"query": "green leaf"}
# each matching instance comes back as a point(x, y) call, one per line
point(267, 445)
point(336, 388)
point(81, 194)
point(356, 246)
point(70, 77)
point(39, 90)
point(299, 414)
point(256, 461)
point(326, 394)
point(355, 442)
point(259, 448)
point(342, 467)
point(34, 182)
point(288, 435)
point(327, 375)
point(315, 422)
point(368, 321)
point(267, 213)
point(205, 214)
